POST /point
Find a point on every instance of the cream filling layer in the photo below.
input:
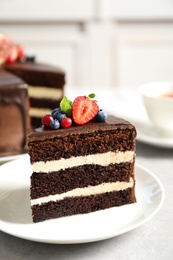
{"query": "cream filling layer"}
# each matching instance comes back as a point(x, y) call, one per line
point(45, 92)
point(39, 112)
point(87, 191)
point(103, 159)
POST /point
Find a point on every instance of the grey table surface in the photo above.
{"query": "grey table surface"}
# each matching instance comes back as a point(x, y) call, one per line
point(153, 240)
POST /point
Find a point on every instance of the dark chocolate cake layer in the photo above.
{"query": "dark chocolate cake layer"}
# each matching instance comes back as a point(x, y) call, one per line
point(81, 205)
point(35, 121)
point(112, 135)
point(44, 102)
point(43, 184)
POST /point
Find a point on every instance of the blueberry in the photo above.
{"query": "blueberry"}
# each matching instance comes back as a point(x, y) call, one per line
point(55, 111)
point(58, 114)
point(30, 58)
point(101, 116)
point(54, 124)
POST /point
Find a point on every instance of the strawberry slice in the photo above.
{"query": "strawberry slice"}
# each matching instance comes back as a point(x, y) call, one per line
point(20, 51)
point(12, 55)
point(84, 109)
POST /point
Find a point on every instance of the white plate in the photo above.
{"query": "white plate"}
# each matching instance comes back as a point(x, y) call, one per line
point(4, 159)
point(15, 213)
point(148, 134)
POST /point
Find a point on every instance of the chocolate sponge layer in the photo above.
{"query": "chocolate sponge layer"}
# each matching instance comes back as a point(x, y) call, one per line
point(44, 103)
point(100, 141)
point(44, 184)
point(81, 205)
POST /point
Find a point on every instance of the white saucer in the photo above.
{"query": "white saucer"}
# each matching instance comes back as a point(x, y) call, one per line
point(15, 213)
point(148, 134)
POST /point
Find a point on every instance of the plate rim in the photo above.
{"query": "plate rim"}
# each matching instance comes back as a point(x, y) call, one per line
point(164, 141)
point(8, 158)
point(138, 167)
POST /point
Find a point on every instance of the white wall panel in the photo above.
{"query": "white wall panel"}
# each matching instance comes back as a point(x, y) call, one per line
point(136, 9)
point(40, 10)
point(97, 42)
point(145, 53)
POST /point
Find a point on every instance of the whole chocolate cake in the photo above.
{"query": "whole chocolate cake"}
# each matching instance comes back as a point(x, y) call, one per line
point(81, 168)
point(14, 117)
point(21, 76)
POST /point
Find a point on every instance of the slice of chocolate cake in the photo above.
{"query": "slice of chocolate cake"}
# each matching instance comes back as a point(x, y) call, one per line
point(14, 118)
point(46, 87)
point(82, 169)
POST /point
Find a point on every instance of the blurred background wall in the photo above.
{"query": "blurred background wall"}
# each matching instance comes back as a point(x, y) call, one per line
point(115, 43)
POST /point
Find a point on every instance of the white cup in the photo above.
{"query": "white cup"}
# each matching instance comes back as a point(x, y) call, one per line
point(158, 101)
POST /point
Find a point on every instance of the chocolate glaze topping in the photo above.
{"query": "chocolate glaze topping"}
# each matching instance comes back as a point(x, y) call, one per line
point(112, 122)
point(14, 90)
point(36, 66)
point(38, 74)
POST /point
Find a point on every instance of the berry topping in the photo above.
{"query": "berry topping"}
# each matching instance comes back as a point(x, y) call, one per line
point(12, 56)
point(58, 109)
point(20, 51)
point(46, 120)
point(6, 45)
point(84, 109)
point(30, 58)
point(101, 116)
point(54, 124)
point(66, 122)
point(58, 114)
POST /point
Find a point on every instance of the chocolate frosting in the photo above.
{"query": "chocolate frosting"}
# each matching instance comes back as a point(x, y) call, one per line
point(112, 122)
point(34, 66)
point(38, 74)
point(8, 79)
point(14, 90)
